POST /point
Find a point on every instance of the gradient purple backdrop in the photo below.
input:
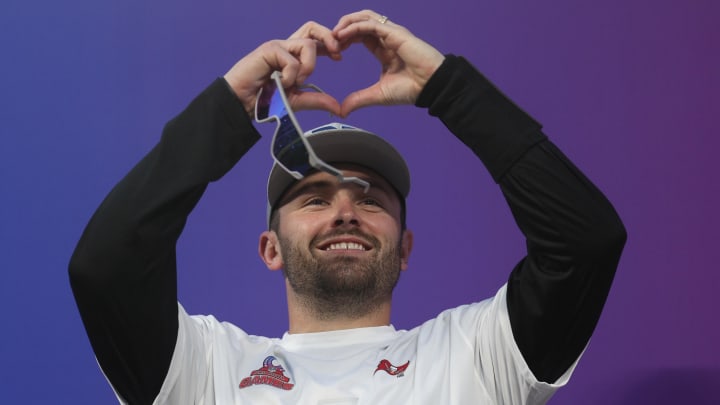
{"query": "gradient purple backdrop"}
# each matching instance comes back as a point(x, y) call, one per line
point(628, 89)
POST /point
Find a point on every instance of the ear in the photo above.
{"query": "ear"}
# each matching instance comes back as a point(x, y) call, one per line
point(405, 248)
point(269, 250)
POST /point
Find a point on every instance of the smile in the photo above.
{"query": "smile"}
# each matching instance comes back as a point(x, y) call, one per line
point(345, 246)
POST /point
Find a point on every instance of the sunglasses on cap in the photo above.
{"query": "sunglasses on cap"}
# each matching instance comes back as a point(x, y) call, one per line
point(290, 147)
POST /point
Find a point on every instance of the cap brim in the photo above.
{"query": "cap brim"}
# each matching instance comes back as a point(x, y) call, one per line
point(352, 146)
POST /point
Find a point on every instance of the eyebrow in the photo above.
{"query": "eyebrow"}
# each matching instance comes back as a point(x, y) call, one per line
point(306, 188)
point(320, 185)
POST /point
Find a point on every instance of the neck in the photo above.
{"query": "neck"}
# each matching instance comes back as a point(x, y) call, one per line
point(308, 315)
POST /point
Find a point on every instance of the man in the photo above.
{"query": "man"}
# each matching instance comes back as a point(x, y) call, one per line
point(341, 247)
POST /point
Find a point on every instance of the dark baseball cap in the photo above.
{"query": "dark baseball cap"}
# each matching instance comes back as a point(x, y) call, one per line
point(337, 143)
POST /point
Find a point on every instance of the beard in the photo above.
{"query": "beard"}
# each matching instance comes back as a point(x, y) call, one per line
point(343, 286)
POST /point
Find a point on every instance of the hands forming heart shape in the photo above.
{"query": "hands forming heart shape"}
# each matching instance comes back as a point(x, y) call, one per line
point(406, 61)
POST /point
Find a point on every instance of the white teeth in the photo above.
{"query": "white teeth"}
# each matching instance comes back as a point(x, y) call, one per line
point(346, 246)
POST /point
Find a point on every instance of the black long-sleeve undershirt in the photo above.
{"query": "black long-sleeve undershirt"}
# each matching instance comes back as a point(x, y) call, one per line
point(123, 271)
point(574, 236)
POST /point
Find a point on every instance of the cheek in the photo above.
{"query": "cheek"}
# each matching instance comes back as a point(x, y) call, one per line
point(385, 227)
point(297, 228)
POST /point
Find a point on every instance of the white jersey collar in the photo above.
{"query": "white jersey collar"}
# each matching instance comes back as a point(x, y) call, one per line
point(344, 337)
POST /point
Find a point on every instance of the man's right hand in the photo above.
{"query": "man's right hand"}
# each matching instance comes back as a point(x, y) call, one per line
point(295, 58)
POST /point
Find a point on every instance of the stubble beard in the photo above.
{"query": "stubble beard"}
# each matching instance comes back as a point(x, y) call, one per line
point(345, 286)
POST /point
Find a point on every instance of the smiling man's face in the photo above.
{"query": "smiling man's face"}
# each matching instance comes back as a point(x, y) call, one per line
point(342, 249)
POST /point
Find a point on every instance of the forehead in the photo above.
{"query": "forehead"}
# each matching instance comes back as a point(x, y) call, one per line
point(322, 179)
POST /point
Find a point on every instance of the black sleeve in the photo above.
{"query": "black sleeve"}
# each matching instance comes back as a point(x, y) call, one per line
point(123, 272)
point(574, 237)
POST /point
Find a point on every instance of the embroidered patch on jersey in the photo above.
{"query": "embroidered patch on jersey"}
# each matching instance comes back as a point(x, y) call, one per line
point(271, 373)
point(387, 367)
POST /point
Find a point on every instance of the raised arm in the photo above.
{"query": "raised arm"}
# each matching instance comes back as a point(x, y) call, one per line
point(574, 237)
point(123, 271)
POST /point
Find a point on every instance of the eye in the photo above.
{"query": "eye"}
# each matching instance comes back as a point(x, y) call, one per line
point(369, 201)
point(316, 201)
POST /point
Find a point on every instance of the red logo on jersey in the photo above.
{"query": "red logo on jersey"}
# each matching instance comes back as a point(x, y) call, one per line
point(271, 373)
point(387, 367)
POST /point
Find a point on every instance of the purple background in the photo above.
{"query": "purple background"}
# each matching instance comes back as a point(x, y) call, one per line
point(628, 89)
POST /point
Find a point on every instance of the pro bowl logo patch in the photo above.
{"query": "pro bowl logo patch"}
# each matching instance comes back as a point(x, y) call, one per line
point(271, 373)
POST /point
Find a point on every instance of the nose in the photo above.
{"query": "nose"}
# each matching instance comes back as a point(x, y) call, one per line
point(346, 212)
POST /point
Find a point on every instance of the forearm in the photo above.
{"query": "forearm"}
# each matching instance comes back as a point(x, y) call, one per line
point(574, 237)
point(574, 241)
point(123, 269)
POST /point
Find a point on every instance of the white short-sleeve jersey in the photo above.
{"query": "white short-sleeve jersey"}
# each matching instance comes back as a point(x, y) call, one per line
point(466, 355)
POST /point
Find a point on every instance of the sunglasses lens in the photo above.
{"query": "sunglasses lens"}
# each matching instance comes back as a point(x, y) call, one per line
point(288, 148)
point(270, 103)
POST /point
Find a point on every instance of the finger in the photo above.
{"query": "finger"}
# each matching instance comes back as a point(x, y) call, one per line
point(253, 71)
point(361, 98)
point(296, 60)
point(370, 28)
point(303, 60)
point(328, 45)
point(364, 15)
point(309, 100)
point(304, 52)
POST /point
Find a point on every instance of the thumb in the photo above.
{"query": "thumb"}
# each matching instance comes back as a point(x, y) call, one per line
point(315, 101)
point(361, 98)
